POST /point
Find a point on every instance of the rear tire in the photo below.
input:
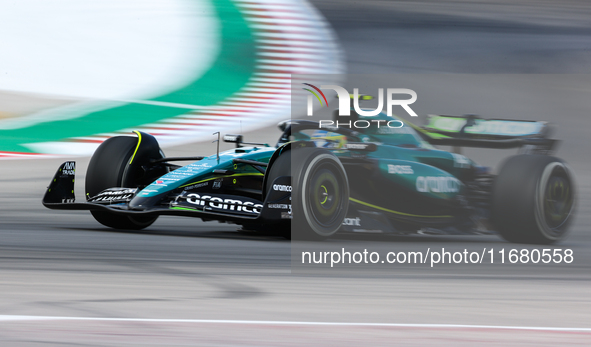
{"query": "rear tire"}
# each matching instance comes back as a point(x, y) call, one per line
point(533, 199)
point(108, 168)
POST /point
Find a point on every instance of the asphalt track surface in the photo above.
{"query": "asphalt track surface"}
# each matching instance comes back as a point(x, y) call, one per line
point(207, 284)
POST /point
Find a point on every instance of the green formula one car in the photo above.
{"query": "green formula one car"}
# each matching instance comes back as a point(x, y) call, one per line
point(320, 179)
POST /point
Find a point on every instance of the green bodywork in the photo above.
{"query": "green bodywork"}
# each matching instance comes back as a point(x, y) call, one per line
point(203, 170)
point(403, 157)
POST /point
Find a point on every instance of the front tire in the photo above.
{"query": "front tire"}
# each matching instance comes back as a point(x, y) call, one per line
point(108, 168)
point(320, 195)
point(533, 199)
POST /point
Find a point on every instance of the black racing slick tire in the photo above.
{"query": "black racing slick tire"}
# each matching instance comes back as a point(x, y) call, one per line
point(108, 168)
point(320, 193)
point(533, 199)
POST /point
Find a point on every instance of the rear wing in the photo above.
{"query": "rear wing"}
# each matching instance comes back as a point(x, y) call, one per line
point(471, 131)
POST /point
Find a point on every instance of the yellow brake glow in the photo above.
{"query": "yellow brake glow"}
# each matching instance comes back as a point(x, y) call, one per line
point(326, 197)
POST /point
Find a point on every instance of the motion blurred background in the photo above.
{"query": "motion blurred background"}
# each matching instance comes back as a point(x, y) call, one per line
point(74, 73)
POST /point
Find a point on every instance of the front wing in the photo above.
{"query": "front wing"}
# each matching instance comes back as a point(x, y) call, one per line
point(60, 196)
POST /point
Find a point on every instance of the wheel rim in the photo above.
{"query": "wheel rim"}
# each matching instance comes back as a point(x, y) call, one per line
point(324, 195)
point(557, 200)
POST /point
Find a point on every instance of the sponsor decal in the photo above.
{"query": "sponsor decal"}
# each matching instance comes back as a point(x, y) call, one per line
point(232, 138)
point(284, 214)
point(361, 146)
point(114, 195)
point(68, 201)
point(279, 206)
point(352, 221)
point(209, 201)
point(436, 184)
point(394, 131)
point(202, 164)
point(487, 126)
point(460, 161)
point(159, 182)
point(400, 169)
point(217, 184)
point(69, 168)
point(198, 185)
point(281, 188)
point(355, 146)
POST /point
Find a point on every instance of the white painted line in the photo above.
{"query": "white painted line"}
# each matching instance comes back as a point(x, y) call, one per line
point(286, 36)
point(290, 13)
point(296, 23)
point(292, 63)
point(299, 29)
point(291, 56)
point(294, 69)
point(12, 318)
point(317, 43)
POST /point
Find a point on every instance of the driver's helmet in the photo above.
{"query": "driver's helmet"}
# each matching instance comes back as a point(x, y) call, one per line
point(328, 139)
